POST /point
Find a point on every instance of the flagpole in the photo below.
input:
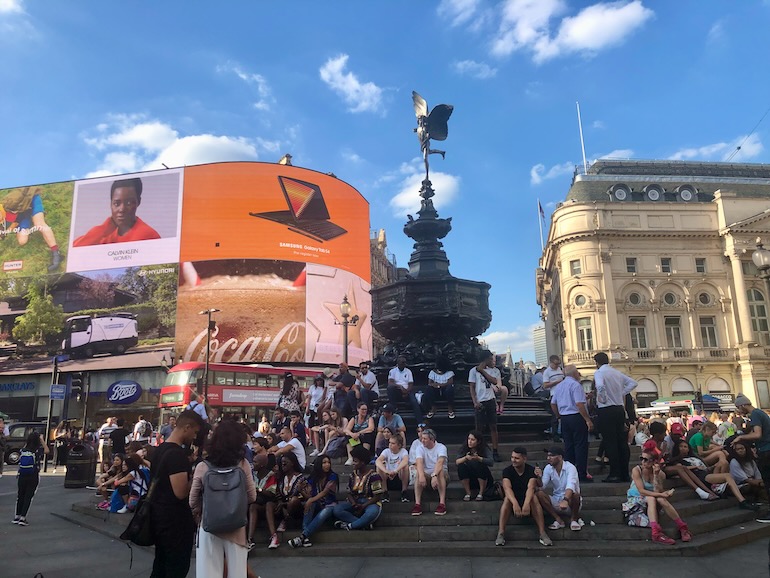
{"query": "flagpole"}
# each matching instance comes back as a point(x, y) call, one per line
point(582, 143)
point(540, 222)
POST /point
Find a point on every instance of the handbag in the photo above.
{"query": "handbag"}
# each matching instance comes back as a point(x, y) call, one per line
point(139, 529)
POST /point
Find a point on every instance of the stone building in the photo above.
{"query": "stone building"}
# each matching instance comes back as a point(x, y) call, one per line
point(651, 262)
point(384, 272)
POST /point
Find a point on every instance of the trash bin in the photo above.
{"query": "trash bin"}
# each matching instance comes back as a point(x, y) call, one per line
point(81, 466)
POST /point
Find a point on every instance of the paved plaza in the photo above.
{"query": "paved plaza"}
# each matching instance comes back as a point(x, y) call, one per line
point(58, 548)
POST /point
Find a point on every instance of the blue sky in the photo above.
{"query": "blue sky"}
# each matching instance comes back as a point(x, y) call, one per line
point(94, 88)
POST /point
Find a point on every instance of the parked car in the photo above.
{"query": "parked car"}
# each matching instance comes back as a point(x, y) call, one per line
point(17, 437)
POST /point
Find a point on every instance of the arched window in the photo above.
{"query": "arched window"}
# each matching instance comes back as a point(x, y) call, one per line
point(758, 311)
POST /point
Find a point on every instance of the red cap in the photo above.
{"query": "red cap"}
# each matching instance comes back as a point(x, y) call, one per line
point(677, 429)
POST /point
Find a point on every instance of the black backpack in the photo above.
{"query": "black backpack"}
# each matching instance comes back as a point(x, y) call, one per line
point(528, 389)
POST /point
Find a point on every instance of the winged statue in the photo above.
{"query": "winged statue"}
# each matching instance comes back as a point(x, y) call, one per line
point(431, 125)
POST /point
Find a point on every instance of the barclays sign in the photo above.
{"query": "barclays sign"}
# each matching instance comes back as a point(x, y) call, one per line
point(124, 392)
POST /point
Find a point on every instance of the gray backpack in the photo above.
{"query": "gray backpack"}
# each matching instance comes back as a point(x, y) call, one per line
point(225, 503)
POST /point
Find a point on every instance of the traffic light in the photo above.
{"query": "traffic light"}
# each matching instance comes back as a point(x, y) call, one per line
point(76, 385)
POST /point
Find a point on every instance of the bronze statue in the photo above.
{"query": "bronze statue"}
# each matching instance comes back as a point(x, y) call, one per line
point(430, 126)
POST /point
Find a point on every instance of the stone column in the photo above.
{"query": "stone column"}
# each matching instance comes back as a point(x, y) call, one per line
point(745, 333)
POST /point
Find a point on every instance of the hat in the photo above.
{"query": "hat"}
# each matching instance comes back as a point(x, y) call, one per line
point(696, 419)
point(677, 429)
point(389, 407)
point(741, 399)
point(288, 374)
point(328, 372)
point(556, 451)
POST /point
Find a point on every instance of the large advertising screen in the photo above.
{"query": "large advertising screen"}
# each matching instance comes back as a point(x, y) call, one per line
point(275, 248)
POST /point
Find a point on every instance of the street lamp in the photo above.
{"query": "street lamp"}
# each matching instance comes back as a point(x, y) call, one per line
point(346, 321)
point(211, 325)
point(761, 258)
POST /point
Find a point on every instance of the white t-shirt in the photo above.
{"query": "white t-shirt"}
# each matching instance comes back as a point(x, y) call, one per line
point(416, 444)
point(430, 457)
point(392, 461)
point(550, 374)
point(297, 450)
point(484, 391)
point(370, 380)
point(402, 377)
point(317, 395)
point(440, 378)
point(561, 482)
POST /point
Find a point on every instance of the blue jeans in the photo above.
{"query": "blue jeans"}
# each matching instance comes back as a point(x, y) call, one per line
point(316, 518)
point(344, 511)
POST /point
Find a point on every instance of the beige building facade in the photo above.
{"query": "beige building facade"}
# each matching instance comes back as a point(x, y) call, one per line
point(650, 262)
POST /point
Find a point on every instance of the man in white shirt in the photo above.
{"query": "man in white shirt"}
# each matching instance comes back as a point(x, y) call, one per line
point(611, 389)
point(142, 430)
point(105, 445)
point(393, 467)
point(537, 384)
point(401, 386)
point(484, 381)
point(562, 478)
point(198, 405)
point(568, 403)
point(289, 443)
point(365, 388)
point(431, 465)
point(553, 376)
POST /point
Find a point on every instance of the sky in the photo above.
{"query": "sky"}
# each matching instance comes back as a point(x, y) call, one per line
point(98, 88)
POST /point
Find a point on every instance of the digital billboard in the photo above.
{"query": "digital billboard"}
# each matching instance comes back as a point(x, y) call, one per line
point(275, 248)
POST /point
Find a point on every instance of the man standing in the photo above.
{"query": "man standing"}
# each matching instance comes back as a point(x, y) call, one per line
point(431, 465)
point(364, 388)
point(107, 428)
point(173, 525)
point(760, 435)
point(568, 403)
point(520, 486)
point(611, 389)
point(118, 438)
point(165, 431)
point(482, 380)
point(3, 444)
point(564, 499)
point(343, 381)
point(553, 376)
point(401, 386)
point(198, 405)
point(142, 430)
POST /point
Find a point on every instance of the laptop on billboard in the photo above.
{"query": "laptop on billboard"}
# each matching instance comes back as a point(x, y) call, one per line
point(307, 214)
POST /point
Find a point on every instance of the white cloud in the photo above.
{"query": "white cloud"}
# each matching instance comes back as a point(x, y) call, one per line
point(519, 340)
point(722, 151)
point(479, 70)
point(598, 124)
point(11, 7)
point(361, 97)
point(458, 11)
point(407, 200)
point(538, 174)
point(526, 25)
point(617, 154)
point(716, 33)
point(133, 143)
point(259, 82)
point(352, 157)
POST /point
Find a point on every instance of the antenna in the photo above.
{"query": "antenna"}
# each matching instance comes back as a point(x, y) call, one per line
point(582, 143)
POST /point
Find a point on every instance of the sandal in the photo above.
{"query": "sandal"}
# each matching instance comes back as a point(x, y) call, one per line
point(557, 525)
point(430, 414)
point(467, 498)
point(451, 415)
point(479, 498)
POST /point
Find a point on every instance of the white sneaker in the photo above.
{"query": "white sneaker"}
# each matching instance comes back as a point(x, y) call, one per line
point(314, 453)
point(702, 494)
point(349, 462)
point(123, 510)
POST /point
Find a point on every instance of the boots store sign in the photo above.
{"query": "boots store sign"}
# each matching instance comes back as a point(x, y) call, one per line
point(124, 392)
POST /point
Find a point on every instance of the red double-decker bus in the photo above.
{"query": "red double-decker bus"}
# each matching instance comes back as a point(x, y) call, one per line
point(234, 390)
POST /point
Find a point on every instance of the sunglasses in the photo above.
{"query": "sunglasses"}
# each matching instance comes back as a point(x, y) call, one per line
point(645, 460)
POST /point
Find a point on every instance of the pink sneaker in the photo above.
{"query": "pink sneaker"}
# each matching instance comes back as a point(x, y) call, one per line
point(661, 538)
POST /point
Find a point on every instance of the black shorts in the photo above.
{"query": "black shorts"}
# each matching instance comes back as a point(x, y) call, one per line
point(486, 415)
point(312, 418)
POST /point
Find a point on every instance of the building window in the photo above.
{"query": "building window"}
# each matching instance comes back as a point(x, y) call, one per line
point(584, 334)
point(749, 269)
point(580, 300)
point(635, 299)
point(764, 393)
point(673, 332)
point(670, 298)
point(700, 265)
point(758, 311)
point(665, 264)
point(574, 267)
point(708, 331)
point(704, 298)
point(630, 264)
point(638, 332)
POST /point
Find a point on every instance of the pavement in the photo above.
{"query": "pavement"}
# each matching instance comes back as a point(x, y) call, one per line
point(57, 548)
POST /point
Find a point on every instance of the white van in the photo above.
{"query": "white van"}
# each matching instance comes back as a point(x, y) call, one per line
point(112, 333)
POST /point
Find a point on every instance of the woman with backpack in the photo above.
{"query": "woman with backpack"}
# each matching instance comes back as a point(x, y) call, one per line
point(227, 546)
point(29, 475)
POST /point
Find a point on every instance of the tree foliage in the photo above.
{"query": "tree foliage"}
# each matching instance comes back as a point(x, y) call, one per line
point(42, 322)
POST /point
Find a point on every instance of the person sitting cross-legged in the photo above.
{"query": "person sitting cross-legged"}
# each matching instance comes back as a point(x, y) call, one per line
point(431, 465)
point(519, 496)
point(562, 478)
point(363, 505)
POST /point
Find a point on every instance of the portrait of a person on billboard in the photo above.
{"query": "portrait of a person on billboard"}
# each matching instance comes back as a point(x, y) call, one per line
point(23, 213)
point(126, 221)
point(123, 224)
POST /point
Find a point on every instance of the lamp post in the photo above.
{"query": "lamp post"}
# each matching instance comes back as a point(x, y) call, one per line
point(346, 321)
point(761, 258)
point(211, 325)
